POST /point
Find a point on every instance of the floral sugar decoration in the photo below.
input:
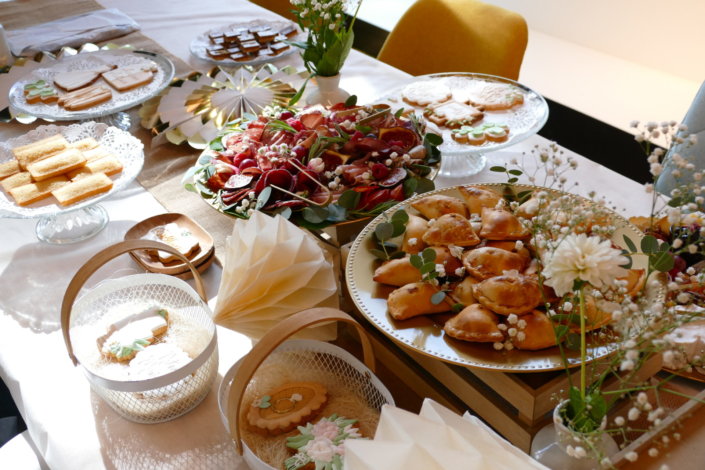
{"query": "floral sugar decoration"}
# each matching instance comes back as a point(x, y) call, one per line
point(321, 444)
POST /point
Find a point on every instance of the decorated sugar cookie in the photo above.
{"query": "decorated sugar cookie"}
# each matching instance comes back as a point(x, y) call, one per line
point(426, 92)
point(453, 114)
point(40, 90)
point(320, 445)
point(491, 97)
point(478, 135)
point(286, 407)
point(132, 334)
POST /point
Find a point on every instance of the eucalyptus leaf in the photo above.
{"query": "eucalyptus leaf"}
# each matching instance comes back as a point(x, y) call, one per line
point(351, 101)
point(314, 214)
point(630, 261)
point(561, 331)
point(662, 261)
point(433, 139)
point(438, 297)
point(399, 112)
point(498, 169)
point(630, 244)
point(410, 186)
point(428, 267)
point(456, 308)
point(429, 254)
point(400, 216)
point(572, 341)
point(649, 244)
point(384, 231)
point(349, 199)
point(515, 172)
point(416, 261)
point(263, 197)
point(397, 254)
point(424, 185)
point(378, 253)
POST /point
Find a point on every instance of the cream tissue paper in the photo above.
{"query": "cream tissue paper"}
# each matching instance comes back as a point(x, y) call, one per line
point(271, 270)
point(436, 439)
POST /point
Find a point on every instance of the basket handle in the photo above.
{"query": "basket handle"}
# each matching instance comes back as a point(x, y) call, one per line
point(269, 342)
point(102, 257)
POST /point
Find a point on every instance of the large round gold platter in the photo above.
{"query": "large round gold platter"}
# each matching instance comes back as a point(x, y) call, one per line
point(425, 335)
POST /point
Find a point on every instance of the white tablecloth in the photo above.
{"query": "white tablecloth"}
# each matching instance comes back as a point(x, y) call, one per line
point(71, 426)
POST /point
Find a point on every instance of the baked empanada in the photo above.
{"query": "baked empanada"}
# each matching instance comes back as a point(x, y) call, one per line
point(500, 224)
point(636, 279)
point(451, 229)
point(436, 205)
point(509, 293)
point(477, 198)
point(597, 314)
point(399, 272)
point(538, 333)
point(486, 262)
point(463, 292)
point(474, 323)
point(413, 235)
point(413, 300)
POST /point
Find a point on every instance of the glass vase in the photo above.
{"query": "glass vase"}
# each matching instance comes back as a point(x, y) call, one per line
point(550, 446)
point(327, 91)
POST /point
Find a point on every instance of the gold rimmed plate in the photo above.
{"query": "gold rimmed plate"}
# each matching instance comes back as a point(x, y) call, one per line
point(425, 334)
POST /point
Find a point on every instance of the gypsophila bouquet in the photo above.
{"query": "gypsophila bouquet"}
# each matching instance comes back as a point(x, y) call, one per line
point(329, 39)
point(603, 296)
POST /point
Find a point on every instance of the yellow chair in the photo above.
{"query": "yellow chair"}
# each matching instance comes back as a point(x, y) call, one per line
point(280, 7)
point(457, 36)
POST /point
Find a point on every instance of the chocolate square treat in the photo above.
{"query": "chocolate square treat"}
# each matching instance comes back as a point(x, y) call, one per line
point(234, 50)
point(265, 36)
point(265, 52)
point(240, 57)
point(219, 41)
point(250, 46)
point(231, 36)
point(218, 54)
point(288, 31)
point(255, 29)
point(214, 36)
point(245, 37)
point(280, 38)
point(279, 47)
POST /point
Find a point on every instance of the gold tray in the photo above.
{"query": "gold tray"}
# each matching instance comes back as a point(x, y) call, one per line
point(425, 334)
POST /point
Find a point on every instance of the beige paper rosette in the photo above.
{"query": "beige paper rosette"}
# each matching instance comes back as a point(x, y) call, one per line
point(272, 269)
point(196, 107)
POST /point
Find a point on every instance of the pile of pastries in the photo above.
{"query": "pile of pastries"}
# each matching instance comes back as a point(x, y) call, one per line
point(484, 255)
point(67, 172)
point(243, 44)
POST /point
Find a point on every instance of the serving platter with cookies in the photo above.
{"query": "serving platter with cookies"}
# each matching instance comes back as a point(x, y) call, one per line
point(489, 264)
point(91, 84)
point(474, 112)
point(246, 43)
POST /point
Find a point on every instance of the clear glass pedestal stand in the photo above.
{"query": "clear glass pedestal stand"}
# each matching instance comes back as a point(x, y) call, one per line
point(73, 226)
point(462, 164)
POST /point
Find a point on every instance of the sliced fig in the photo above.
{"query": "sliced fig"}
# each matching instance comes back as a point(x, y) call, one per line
point(254, 171)
point(332, 159)
point(238, 181)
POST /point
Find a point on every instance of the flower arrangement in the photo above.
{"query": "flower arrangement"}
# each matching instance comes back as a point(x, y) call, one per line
point(329, 40)
point(579, 262)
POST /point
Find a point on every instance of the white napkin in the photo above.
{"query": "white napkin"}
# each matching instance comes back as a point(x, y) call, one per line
point(436, 439)
point(73, 31)
point(272, 269)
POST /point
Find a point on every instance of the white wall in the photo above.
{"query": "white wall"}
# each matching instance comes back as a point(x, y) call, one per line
point(661, 34)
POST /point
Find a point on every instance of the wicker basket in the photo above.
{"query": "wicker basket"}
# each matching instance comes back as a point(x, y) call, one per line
point(340, 365)
point(155, 399)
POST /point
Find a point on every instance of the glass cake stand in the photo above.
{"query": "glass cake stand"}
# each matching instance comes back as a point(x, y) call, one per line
point(80, 221)
point(459, 159)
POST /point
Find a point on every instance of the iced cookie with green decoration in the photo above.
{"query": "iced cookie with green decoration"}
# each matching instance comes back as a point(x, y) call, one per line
point(284, 408)
point(132, 334)
point(478, 135)
point(40, 91)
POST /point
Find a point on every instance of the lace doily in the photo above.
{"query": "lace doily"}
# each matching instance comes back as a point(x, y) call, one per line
point(126, 147)
point(90, 60)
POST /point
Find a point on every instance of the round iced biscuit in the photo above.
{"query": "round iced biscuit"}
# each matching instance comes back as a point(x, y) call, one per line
point(426, 92)
point(285, 407)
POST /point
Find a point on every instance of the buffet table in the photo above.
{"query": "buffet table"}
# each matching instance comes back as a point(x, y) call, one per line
point(70, 426)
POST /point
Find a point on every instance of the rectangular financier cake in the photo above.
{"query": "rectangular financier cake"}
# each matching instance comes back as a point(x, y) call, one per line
point(83, 188)
point(40, 149)
point(56, 164)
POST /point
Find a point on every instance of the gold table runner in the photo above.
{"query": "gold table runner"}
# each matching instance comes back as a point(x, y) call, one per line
point(165, 165)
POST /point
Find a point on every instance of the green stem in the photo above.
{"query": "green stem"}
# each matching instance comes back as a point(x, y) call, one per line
point(583, 344)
